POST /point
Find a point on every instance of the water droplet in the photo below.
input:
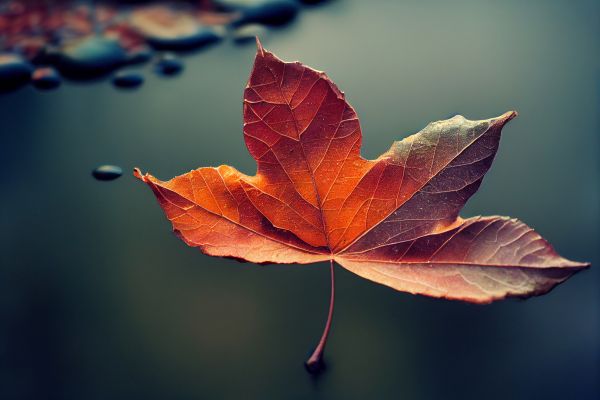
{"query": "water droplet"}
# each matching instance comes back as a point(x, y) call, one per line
point(107, 172)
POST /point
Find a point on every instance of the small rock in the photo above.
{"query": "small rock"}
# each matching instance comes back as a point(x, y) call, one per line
point(140, 55)
point(90, 57)
point(46, 78)
point(107, 172)
point(169, 28)
point(201, 38)
point(247, 33)
point(267, 12)
point(14, 72)
point(128, 79)
point(169, 64)
point(312, 2)
point(232, 5)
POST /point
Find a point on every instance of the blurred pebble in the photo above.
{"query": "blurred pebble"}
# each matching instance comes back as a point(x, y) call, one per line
point(91, 57)
point(128, 79)
point(168, 28)
point(14, 72)
point(169, 64)
point(140, 55)
point(267, 12)
point(46, 78)
point(201, 38)
point(247, 33)
point(238, 4)
point(107, 172)
point(312, 2)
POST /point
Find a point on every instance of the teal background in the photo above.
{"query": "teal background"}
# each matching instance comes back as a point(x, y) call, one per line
point(99, 300)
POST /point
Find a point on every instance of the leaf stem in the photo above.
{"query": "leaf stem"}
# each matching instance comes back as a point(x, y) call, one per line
point(315, 362)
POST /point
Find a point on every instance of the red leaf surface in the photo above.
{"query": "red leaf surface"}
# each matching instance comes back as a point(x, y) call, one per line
point(393, 220)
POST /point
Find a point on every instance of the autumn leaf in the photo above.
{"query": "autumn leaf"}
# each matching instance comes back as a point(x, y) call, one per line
point(393, 220)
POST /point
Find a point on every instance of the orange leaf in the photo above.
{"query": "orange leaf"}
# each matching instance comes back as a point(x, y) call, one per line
point(393, 220)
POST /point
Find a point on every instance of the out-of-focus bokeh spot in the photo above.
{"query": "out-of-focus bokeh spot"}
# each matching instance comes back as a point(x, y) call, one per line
point(87, 40)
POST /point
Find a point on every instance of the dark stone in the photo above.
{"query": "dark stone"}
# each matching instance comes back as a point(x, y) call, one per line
point(140, 55)
point(201, 38)
point(268, 12)
point(15, 72)
point(248, 33)
point(46, 78)
point(128, 79)
point(107, 172)
point(169, 64)
point(232, 5)
point(91, 57)
point(312, 2)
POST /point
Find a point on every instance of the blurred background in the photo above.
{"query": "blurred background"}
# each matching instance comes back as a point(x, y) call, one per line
point(99, 300)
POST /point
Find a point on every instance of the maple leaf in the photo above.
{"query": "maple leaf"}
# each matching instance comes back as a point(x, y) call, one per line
point(393, 220)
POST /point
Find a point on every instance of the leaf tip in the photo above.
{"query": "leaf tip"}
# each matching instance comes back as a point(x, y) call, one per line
point(507, 116)
point(259, 47)
point(580, 266)
point(138, 174)
point(511, 114)
point(503, 119)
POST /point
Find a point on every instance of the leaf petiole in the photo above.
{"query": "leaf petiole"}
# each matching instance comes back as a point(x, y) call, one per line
point(315, 362)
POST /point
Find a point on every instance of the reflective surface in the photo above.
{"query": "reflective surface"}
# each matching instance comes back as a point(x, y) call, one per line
point(98, 300)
